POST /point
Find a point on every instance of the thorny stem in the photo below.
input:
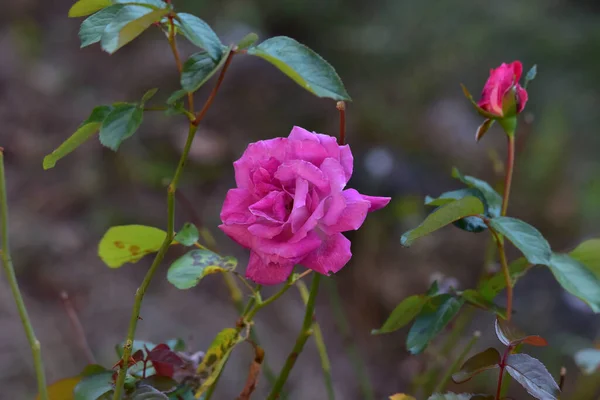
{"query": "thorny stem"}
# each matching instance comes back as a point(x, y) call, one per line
point(510, 164)
point(303, 336)
point(322, 349)
point(14, 287)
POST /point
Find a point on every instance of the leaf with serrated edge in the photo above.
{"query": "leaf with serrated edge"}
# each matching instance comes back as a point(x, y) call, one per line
point(187, 235)
point(188, 270)
point(492, 198)
point(200, 33)
point(576, 279)
point(85, 131)
point(525, 237)
point(404, 312)
point(487, 359)
point(87, 7)
point(303, 66)
point(93, 27)
point(199, 68)
point(509, 334)
point(443, 216)
point(129, 243)
point(121, 123)
point(128, 24)
point(533, 376)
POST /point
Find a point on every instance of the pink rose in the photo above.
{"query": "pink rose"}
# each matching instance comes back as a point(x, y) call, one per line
point(503, 80)
point(290, 205)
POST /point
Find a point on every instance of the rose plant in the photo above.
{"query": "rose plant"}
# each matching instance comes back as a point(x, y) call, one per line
point(290, 208)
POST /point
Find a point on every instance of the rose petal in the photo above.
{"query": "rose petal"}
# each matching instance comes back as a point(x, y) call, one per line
point(271, 207)
point(287, 250)
point(256, 155)
point(333, 254)
point(290, 170)
point(377, 203)
point(335, 174)
point(334, 206)
point(522, 97)
point(299, 212)
point(299, 133)
point(347, 161)
point(265, 231)
point(267, 273)
point(310, 224)
point(239, 233)
point(352, 216)
point(235, 207)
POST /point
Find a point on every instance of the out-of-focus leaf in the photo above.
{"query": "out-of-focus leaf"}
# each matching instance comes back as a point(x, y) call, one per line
point(533, 376)
point(201, 34)
point(487, 359)
point(588, 360)
point(479, 110)
point(525, 237)
point(176, 344)
point(462, 396)
point(215, 357)
point(148, 393)
point(531, 74)
point(128, 24)
point(129, 243)
point(303, 66)
point(93, 386)
point(509, 334)
point(199, 68)
point(404, 312)
point(492, 199)
point(576, 279)
point(253, 373)
point(120, 123)
point(188, 270)
point(187, 235)
point(247, 41)
point(63, 389)
point(475, 298)
point(176, 95)
point(87, 7)
point(436, 314)
point(492, 286)
point(443, 216)
point(483, 128)
point(588, 253)
point(401, 396)
point(93, 27)
point(165, 361)
point(85, 131)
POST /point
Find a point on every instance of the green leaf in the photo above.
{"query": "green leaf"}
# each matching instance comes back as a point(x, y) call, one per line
point(187, 235)
point(492, 199)
point(475, 298)
point(148, 393)
point(588, 360)
point(533, 376)
point(62, 389)
point(93, 27)
point(129, 243)
point(154, 4)
point(431, 321)
point(199, 68)
point(87, 7)
point(511, 335)
point(93, 386)
point(200, 33)
point(483, 128)
point(531, 74)
point(487, 359)
point(304, 66)
point(188, 270)
point(462, 396)
point(88, 128)
point(128, 24)
point(588, 253)
point(247, 41)
point(120, 124)
point(147, 96)
point(175, 96)
point(491, 287)
point(404, 312)
point(525, 237)
point(176, 344)
point(479, 110)
point(443, 216)
point(576, 279)
point(216, 356)
point(469, 224)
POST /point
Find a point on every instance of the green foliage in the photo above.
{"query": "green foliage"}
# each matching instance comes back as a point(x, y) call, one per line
point(201, 34)
point(303, 65)
point(187, 235)
point(510, 335)
point(588, 360)
point(85, 131)
point(148, 393)
point(588, 253)
point(487, 359)
point(247, 41)
point(93, 27)
point(525, 237)
point(533, 376)
point(93, 386)
point(216, 356)
point(404, 312)
point(188, 270)
point(531, 74)
point(443, 216)
point(476, 299)
point(129, 23)
point(492, 286)
point(436, 314)
point(493, 200)
point(198, 69)
point(129, 243)
point(576, 279)
point(87, 7)
point(120, 123)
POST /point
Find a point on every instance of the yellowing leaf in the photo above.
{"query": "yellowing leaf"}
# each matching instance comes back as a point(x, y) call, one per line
point(129, 243)
point(401, 396)
point(63, 389)
point(128, 24)
point(215, 357)
point(87, 7)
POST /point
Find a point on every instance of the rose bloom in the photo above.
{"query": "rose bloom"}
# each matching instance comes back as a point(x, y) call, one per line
point(290, 205)
point(500, 82)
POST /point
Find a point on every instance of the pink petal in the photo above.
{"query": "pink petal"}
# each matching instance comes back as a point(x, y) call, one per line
point(299, 212)
point(290, 170)
point(353, 214)
point(299, 133)
point(333, 254)
point(310, 224)
point(271, 207)
point(265, 231)
point(267, 273)
point(235, 207)
point(255, 156)
point(334, 206)
point(335, 173)
point(521, 98)
point(239, 233)
point(347, 161)
point(377, 203)
point(284, 249)
point(330, 144)
point(517, 69)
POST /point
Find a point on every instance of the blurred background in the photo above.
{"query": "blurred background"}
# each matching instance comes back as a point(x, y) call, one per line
point(402, 62)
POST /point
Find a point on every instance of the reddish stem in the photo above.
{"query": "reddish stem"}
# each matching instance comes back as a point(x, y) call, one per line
point(212, 95)
point(173, 44)
point(502, 366)
point(341, 106)
point(510, 163)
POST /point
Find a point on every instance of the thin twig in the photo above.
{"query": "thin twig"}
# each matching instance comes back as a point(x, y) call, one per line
point(9, 269)
point(202, 112)
point(510, 166)
point(173, 45)
point(77, 328)
point(341, 106)
point(318, 335)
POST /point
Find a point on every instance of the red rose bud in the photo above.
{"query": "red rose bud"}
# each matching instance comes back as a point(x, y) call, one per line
point(502, 95)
